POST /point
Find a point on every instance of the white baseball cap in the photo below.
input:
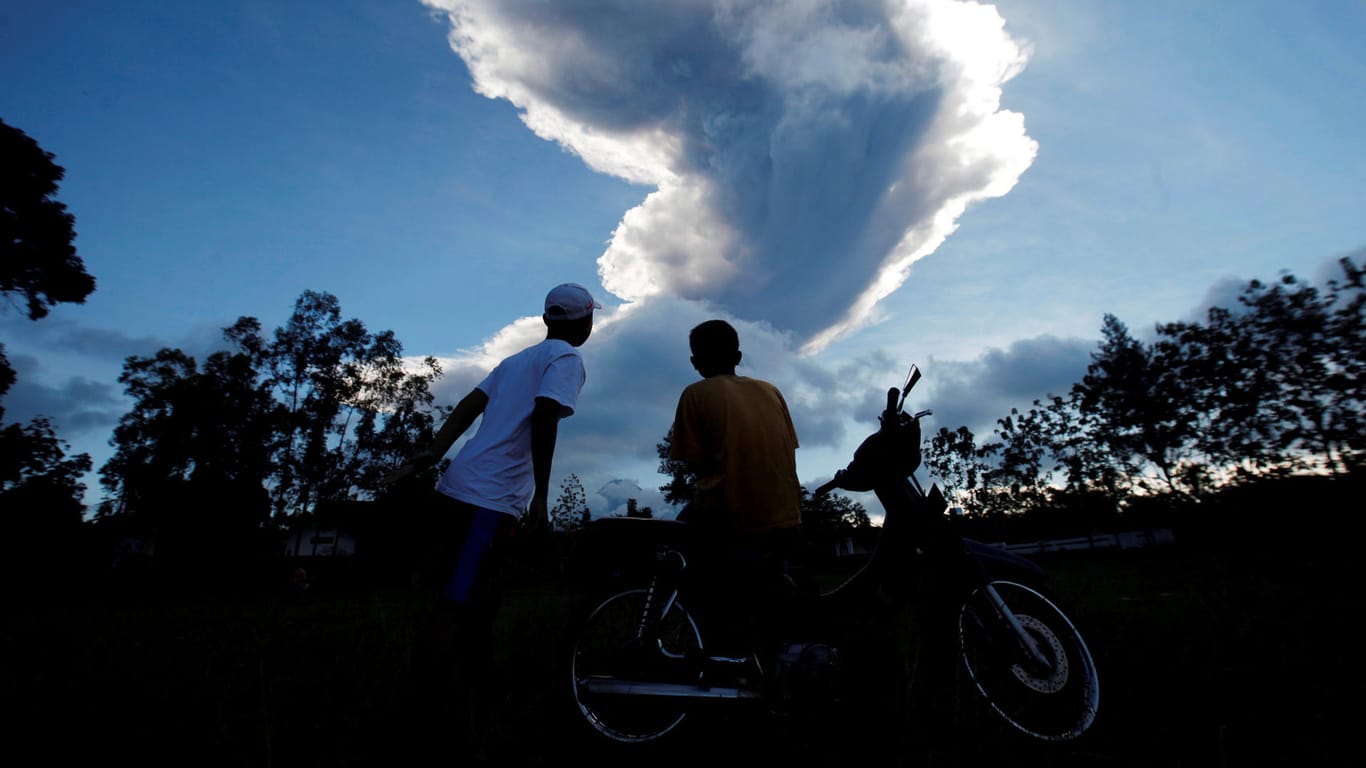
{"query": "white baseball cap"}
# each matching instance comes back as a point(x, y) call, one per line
point(569, 301)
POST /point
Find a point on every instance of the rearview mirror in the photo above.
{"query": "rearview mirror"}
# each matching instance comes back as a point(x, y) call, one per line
point(911, 378)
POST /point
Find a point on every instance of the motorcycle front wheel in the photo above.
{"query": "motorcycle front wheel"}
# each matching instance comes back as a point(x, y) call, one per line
point(1052, 701)
point(611, 668)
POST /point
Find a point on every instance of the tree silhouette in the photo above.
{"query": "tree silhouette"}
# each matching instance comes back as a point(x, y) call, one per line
point(831, 514)
point(333, 378)
point(682, 485)
point(1125, 406)
point(953, 458)
point(38, 264)
point(1313, 343)
point(1272, 387)
point(570, 512)
point(317, 414)
point(1345, 383)
point(40, 486)
point(38, 258)
point(1022, 471)
point(153, 441)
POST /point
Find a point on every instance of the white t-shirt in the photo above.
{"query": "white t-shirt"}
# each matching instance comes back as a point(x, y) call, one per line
point(493, 469)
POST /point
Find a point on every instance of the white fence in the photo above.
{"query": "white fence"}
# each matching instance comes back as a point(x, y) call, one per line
point(1126, 540)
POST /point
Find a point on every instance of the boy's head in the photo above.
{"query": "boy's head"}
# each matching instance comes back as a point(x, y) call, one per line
point(569, 313)
point(715, 347)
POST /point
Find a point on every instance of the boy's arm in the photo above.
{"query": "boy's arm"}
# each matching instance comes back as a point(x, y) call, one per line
point(545, 427)
point(466, 411)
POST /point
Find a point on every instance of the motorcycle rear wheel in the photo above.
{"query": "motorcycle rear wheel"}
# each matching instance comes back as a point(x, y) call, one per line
point(1055, 702)
point(605, 648)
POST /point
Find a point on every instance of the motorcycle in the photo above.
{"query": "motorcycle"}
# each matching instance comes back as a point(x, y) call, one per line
point(641, 667)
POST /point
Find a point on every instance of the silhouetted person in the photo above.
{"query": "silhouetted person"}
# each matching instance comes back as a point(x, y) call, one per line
point(497, 483)
point(735, 435)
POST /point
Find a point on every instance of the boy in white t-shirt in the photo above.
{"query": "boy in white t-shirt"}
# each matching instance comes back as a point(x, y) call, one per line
point(497, 483)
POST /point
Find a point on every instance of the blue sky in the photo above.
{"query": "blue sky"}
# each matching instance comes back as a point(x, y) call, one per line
point(855, 185)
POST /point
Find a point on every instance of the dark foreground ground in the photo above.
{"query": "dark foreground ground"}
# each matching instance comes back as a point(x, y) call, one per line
point(1228, 655)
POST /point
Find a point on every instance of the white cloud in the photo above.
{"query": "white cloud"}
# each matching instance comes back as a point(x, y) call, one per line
point(975, 393)
point(803, 154)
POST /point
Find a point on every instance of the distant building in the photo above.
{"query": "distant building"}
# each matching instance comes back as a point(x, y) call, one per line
point(319, 541)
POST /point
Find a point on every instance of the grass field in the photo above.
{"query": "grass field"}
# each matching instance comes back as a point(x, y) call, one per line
point(1225, 656)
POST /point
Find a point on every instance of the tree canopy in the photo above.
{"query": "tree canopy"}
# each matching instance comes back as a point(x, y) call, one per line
point(38, 260)
point(38, 264)
point(1269, 388)
point(316, 412)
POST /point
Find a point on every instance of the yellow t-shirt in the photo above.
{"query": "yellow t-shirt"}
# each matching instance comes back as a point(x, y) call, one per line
point(737, 435)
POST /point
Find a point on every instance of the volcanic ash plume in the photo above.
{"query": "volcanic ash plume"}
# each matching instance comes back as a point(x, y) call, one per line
point(802, 154)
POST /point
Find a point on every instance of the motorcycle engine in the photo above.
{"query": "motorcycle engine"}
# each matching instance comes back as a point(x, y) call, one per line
point(809, 672)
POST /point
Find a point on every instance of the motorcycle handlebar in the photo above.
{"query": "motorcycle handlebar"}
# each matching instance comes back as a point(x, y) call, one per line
point(892, 415)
